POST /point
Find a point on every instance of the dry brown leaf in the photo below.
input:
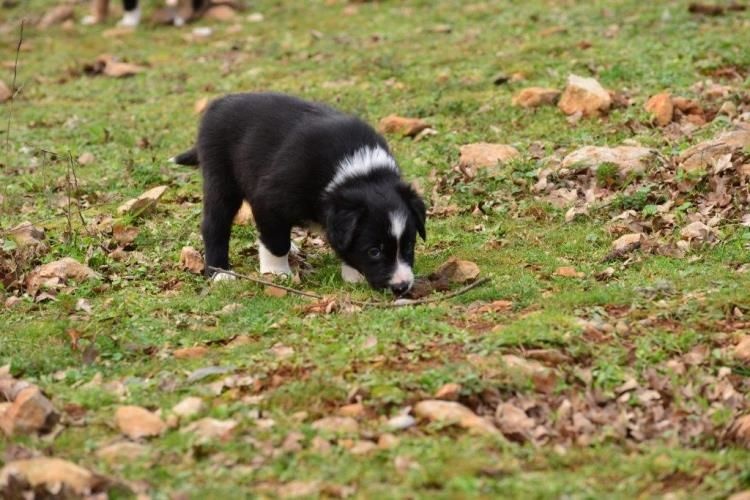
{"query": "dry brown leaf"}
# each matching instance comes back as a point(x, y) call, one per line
point(740, 430)
point(452, 413)
point(124, 235)
point(30, 412)
point(143, 203)
point(191, 260)
point(281, 351)
point(50, 474)
point(5, 92)
point(354, 410)
point(543, 378)
point(533, 97)
point(211, 428)
point(742, 350)
point(705, 154)
point(344, 425)
point(244, 215)
point(56, 15)
point(568, 272)
point(200, 105)
point(86, 159)
point(513, 422)
point(485, 155)
point(122, 452)
point(456, 271)
point(394, 124)
point(449, 392)
point(273, 291)
point(26, 234)
point(136, 422)
point(117, 69)
point(191, 352)
point(63, 270)
point(585, 96)
point(363, 447)
point(661, 108)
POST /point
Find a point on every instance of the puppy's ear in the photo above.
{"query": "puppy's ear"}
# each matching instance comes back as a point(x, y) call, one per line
point(416, 206)
point(341, 222)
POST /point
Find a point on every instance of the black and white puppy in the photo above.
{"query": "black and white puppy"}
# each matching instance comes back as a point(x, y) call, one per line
point(301, 163)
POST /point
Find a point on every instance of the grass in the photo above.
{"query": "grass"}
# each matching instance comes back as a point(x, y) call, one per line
point(374, 59)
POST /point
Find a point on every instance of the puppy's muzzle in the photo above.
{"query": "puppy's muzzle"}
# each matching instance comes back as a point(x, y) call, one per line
point(401, 287)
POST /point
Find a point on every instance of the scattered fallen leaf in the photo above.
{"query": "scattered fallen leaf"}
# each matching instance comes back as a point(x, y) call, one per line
point(124, 235)
point(26, 234)
point(513, 422)
point(5, 92)
point(200, 105)
point(625, 244)
point(110, 66)
point(354, 410)
point(740, 430)
point(142, 204)
point(49, 477)
point(393, 124)
point(449, 392)
point(211, 428)
point(281, 351)
point(191, 352)
point(244, 215)
point(188, 407)
point(363, 447)
point(191, 260)
point(343, 425)
point(273, 291)
point(136, 422)
point(452, 413)
point(122, 451)
point(30, 412)
point(661, 108)
point(533, 97)
point(742, 350)
point(568, 272)
point(64, 269)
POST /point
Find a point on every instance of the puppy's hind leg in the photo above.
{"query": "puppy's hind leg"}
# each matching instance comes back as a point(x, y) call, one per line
point(220, 202)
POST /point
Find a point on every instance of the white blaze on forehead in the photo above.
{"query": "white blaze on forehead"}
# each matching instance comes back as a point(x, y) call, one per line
point(362, 162)
point(398, 223)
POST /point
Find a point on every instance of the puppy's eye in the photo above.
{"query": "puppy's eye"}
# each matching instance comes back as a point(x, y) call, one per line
point(374, 253)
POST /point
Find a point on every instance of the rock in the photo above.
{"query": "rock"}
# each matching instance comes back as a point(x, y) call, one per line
point(400, 422)
point(50, 474)
point(136, 422)
point(191, 260)
point(5, 92)
point(513, 422)
point(26, 234)
point(409, 127)
point(661, 108)
point(30, 412)
point(485, 155)
point(585, 96)
point(742, 350)
point(705, 154)
point(211, 428)
point(628, 159)
point(244, 215)
point(56, 15)
point(456, 271)
point(533, 97)
point(122, 451)
point(355, 410)
point(338, 425)
point(363, 448)
point(189, 407)
point(449, 392)
point(86, 159)
point(450, 412)
point(198, 351)
point(144, 203)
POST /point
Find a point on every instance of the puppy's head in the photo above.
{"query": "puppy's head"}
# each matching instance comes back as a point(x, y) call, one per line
point(374, 229)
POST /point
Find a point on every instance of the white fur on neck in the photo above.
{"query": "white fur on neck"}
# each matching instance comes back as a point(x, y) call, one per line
point(271, 264)
point(351, 275)
point(130, 18)
point(362, 162)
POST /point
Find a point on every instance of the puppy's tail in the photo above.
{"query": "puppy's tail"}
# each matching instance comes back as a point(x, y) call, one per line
point(188, 158)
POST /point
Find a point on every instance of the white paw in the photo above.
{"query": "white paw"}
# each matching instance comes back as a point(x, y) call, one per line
point(219, 276)
point(88, 20)
point(271, 264)
point(130, 19)
point(351, 275)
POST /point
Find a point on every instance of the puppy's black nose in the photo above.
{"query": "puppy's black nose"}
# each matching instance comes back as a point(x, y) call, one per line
point(401, 288)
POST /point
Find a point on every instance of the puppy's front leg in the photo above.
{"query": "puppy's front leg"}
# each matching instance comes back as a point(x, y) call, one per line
point(219, 206)
point(272, 264)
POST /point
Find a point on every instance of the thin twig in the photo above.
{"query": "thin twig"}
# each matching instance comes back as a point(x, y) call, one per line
point(381, 305)
point(13, 86)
